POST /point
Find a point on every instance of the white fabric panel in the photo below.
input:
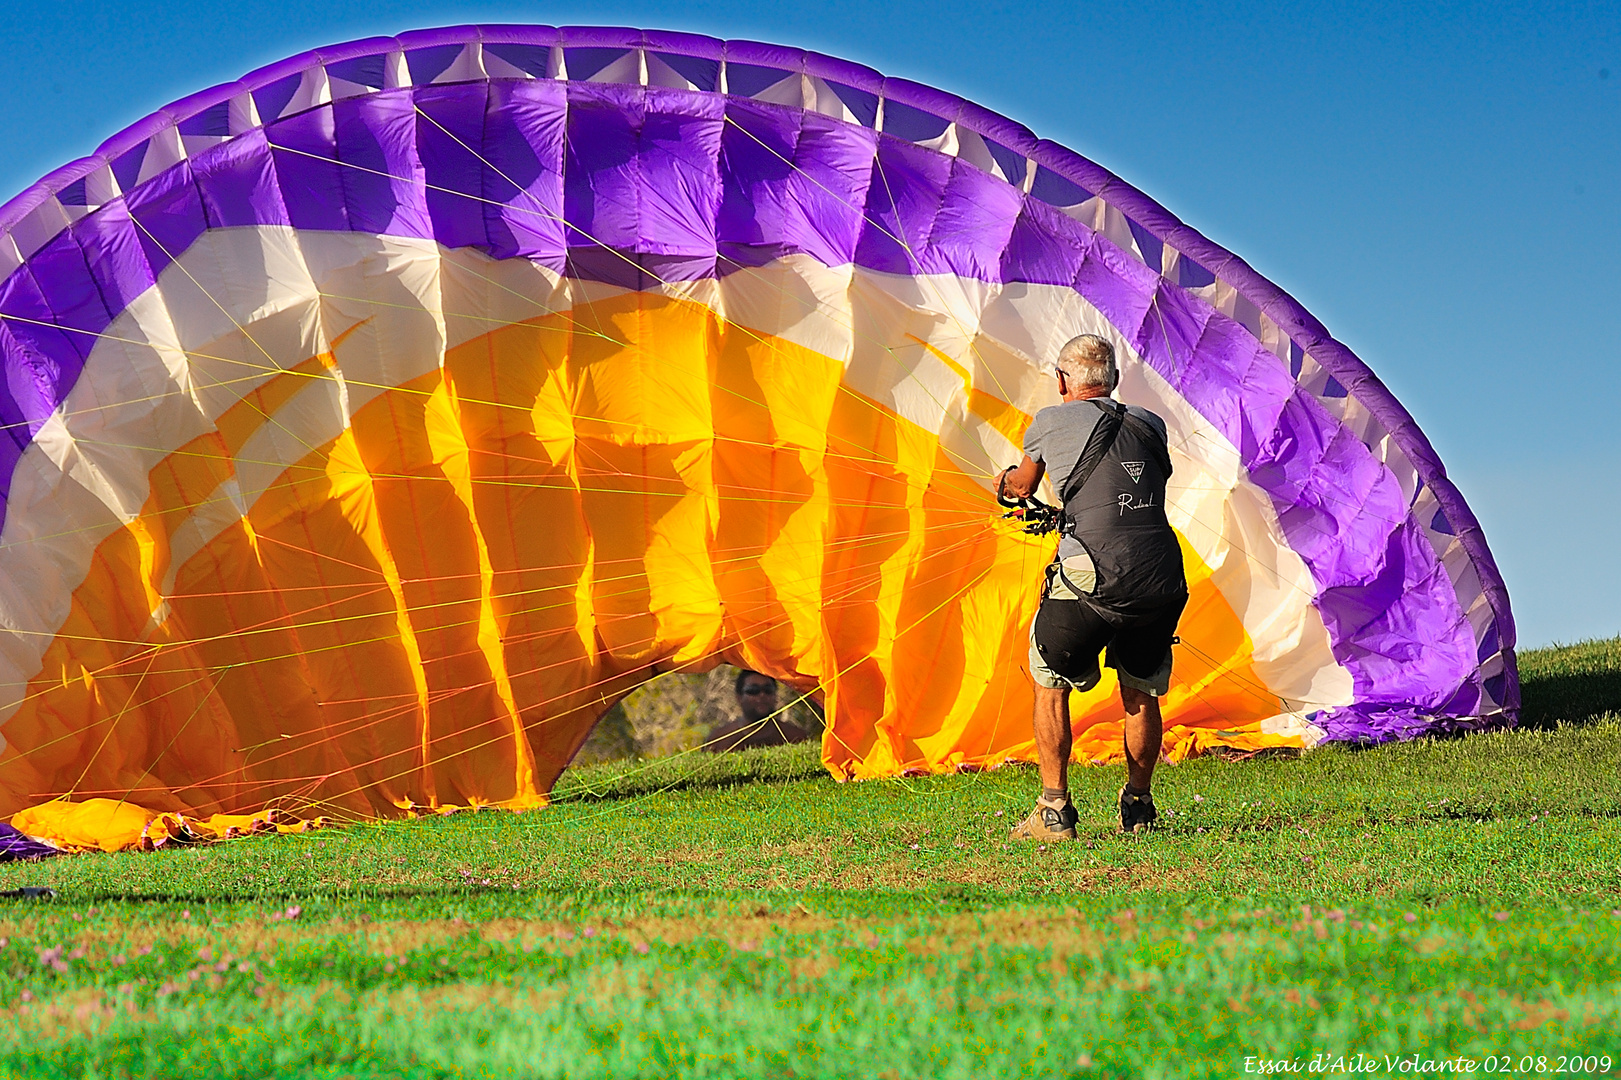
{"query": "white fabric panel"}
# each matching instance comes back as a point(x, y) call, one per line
point(243, 305)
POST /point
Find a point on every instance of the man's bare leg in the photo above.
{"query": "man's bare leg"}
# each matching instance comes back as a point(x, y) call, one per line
point(1054, 816)
point(1053, 737)
point(1145, 732)
point(1145, 735)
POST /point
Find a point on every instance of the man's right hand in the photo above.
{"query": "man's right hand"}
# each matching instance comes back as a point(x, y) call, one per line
point(1020, 481)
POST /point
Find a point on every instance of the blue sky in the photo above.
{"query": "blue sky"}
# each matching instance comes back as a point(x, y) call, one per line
point(1439, 183)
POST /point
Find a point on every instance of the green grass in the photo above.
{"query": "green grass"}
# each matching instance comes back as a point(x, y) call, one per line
point(744, 915)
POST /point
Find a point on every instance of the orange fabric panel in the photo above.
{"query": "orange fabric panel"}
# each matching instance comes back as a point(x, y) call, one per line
point(432, 608)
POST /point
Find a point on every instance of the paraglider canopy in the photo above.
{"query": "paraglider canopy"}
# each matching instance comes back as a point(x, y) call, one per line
point(377, 420)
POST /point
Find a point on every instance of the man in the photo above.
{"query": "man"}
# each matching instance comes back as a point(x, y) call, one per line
point(760, 724)
point(1117, 580)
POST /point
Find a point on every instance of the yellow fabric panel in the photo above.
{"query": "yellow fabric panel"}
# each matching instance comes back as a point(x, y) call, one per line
point(425, 542)
point(117, 824)
point(771, 400)
point(109, 712)
point(104, 824)
point(432, 608)
point(513, 401)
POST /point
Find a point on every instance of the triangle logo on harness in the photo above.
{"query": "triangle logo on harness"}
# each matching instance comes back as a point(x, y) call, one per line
point(1135, 468)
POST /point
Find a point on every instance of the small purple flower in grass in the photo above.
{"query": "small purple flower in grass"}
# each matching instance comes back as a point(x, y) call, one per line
point(1410, 917)
point(28, 995)
point(589, 931)
point(642, 947)
point(1500, 916)
point(914, 847)
point(1198, 798)
point(999, 813)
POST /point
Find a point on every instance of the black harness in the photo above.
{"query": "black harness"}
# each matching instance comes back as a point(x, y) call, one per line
point(1038, 518)
point(1122, 524)
point(1104, 434)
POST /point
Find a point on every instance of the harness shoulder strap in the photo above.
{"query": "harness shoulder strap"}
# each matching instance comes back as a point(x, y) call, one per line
point(1097, 445)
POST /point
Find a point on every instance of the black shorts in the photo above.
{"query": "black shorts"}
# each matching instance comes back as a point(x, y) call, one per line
point(1069, 634)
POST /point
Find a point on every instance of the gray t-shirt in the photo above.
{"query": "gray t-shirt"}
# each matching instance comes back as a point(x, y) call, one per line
point(1058, 435)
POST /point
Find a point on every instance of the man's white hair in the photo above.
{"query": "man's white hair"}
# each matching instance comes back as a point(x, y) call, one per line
point(1088, 361)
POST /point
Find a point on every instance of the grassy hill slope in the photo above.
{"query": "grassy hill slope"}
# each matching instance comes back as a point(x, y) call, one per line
point(743, 915)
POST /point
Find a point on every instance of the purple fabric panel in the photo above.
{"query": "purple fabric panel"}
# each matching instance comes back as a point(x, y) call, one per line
point(16, 392)
point(523, 143)
point(655, 183)
point(199, 102)
point(449, 136)
point(1035, 252)
point(991, 125)
point(15, 845)
point(304, 149)
point(116, 259)
point(521, 34)
point(69, 291)
point(237, 184)
point(16, 211)
point(907, 188)
point(600, 171)
point(168, 215)
point(791, 182)
point(350, 50)
point(42, 360)
point(599, 37)
point(972, 227)
point(426, 39)
point(761, 54)
point(383, 191)
point(687, 44)
point(679, 166)
point(642, 172)
point(131, 137)
point(843, 71)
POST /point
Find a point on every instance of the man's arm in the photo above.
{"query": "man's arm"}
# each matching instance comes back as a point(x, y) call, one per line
point(1020, 480)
